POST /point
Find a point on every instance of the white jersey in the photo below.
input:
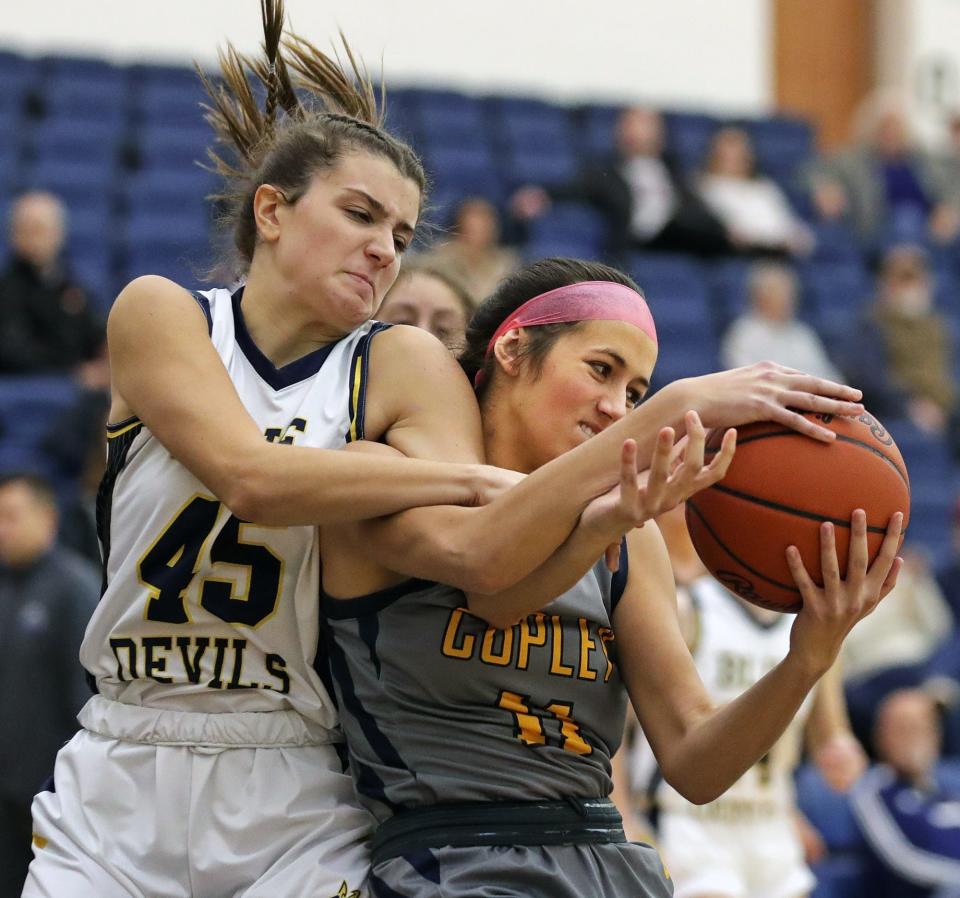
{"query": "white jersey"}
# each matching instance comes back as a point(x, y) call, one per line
point(733, 648)
point(202, 611)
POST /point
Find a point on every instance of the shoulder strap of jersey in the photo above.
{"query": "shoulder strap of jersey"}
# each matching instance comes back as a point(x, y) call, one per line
point(204, 304)
point(359, 377)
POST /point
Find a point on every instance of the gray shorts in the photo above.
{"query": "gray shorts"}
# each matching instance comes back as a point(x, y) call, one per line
point(606, 870)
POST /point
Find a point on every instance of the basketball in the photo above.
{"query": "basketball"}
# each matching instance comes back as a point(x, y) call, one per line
point(778, 490)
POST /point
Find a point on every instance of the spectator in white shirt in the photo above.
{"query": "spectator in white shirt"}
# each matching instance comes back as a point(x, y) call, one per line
point(754, 209)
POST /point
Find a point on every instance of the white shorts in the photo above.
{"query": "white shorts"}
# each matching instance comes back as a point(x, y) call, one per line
point(759, 857)
point(171, 804)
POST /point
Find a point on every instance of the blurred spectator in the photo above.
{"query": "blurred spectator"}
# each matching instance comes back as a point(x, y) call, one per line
point(909, 815)
point(646, 203)
point(429, 298)
point(946, 164)
point(770, 329)
point(474, 255)
point(885, 184)
point(902, 360)
point(47, 321)
point(754, 210)
point(47, 593)
point(890, 649)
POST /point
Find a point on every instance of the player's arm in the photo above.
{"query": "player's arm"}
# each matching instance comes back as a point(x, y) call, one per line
point(497, 553)
point(636, 499)
point(703, 750)
point(830, 741)
point(165, 371)
point(475, 553)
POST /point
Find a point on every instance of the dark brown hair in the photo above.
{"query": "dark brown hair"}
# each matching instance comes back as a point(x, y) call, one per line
point(309, 121)
point(511, 293)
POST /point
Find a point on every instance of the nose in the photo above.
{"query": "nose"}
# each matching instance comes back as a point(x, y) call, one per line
point(381, 247)
point(613, 405)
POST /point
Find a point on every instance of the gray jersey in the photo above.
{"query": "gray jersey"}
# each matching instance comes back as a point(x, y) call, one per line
point(438, 706)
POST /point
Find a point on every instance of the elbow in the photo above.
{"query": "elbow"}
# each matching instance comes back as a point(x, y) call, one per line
point(692, 789)
point(473, 566)
point(246, 493)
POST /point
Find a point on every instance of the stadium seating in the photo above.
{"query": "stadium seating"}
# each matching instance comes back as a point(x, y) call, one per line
point(119, 143)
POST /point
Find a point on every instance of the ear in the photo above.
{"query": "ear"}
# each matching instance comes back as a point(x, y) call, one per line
point(508, 351)
point(267, 202)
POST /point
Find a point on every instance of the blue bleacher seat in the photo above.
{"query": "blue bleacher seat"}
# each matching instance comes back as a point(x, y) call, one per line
point(781, 145)
point(186, 265)
point(550, 164)
point(727, 280)
point(464, 172)
point(88, 69)
point(687, 349)
point(93, 268)
point(76, 183)
point(598, 127)
point(29, 407)
point(452, 125)
point(688, 137)
point(522, 124)
point(94, 101)
point(75, 140)
point(173, 149)
point(162, 191)
point(834, 292)
point(172, 104)
point(18, 75)
point(836, 243)
point(676, 288)
point(570, 222)
point(569, 246)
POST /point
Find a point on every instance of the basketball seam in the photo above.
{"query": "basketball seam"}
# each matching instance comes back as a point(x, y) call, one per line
point(799, 512)
point(736, 557)
point(841, 437)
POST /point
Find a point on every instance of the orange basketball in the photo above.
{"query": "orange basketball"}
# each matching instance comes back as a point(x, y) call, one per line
point(780, 487)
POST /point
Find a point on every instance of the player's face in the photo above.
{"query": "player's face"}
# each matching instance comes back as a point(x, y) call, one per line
point(340, 244)
point(589, 380)
point(428, 303)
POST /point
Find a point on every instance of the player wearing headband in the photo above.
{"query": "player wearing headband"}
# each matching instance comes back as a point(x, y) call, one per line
point(481, 727)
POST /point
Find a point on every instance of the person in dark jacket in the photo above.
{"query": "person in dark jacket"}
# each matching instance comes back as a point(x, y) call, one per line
point(907, 809)
point(645, 201)
point(48, 322)
point(47, 593)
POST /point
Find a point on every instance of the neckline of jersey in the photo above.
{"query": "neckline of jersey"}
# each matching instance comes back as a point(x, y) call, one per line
point(287, 375)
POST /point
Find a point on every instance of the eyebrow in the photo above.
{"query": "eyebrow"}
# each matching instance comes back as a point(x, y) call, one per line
point(619, 359)
point(380, 209)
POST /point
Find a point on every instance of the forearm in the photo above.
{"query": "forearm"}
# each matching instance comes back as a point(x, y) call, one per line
point(551, 579)
point(724, 743)
point(289, 485)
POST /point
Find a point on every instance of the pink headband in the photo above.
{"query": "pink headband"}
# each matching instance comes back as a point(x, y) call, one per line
point(585, 301)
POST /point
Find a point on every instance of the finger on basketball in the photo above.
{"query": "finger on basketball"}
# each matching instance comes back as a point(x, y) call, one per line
point(891, 579)
point(858, 553)
point(799, 573)
point(829, 566)
point(724, 457)
point(822, 387)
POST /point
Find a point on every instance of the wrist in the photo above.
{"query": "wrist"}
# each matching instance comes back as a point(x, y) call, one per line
point(684, 396)
point(807, 666)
